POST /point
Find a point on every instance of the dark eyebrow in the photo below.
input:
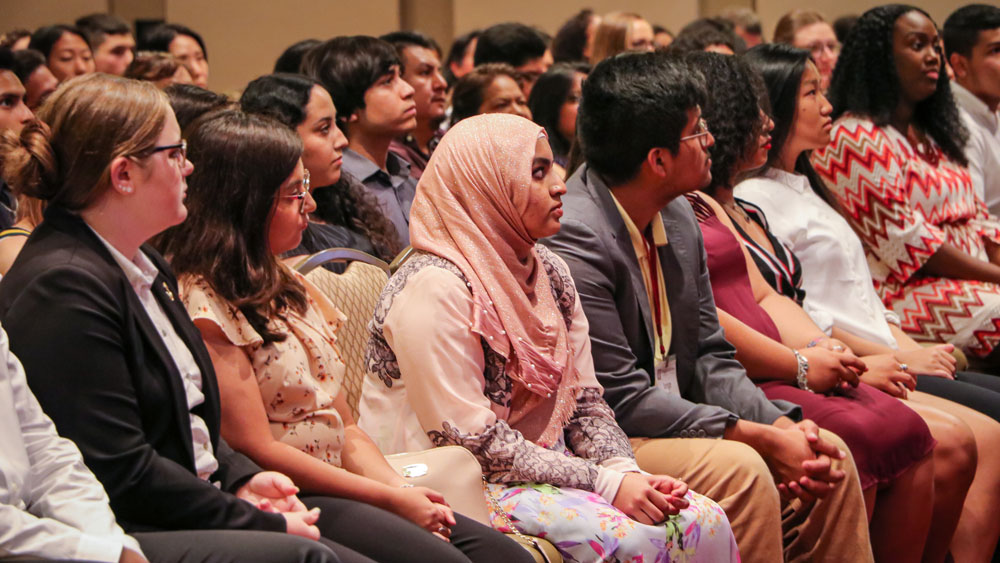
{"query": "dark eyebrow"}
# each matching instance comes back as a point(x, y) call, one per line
point(542, 160)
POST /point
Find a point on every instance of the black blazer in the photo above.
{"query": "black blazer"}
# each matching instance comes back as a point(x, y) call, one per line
point(102, 372)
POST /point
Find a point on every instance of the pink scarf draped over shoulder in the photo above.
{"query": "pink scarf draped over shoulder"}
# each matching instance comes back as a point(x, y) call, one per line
point(468, 209)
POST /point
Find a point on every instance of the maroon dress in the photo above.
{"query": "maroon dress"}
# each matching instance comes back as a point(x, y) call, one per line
point(885, 436)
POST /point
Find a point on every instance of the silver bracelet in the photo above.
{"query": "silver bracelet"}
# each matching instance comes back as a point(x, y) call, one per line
point(800, 377)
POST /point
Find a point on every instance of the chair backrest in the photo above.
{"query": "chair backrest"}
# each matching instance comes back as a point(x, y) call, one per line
point(307, 264)
point(355, 293)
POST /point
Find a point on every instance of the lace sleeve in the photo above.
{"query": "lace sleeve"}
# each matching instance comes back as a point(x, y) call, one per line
point(592, 433)
point(507, 457)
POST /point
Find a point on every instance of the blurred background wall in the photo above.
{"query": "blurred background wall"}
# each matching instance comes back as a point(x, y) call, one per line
point(244, 37)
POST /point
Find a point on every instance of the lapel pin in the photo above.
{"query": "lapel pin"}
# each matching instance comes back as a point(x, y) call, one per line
point(170, 294)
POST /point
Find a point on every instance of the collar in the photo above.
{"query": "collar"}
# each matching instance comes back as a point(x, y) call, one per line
point(397, 169)
point(656, 228)
point(140, 271)
point(795, 181)
point(975, 107)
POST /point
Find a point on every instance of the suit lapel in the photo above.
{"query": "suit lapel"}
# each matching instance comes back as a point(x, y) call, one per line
point(602, 196)
point(133, 307)
point(683, 306)
point(169, 299)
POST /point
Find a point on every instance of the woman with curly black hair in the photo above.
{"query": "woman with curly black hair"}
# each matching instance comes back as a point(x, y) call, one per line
point(836, 280)
point(783, 350)
point(345, 215)
point(896, 167)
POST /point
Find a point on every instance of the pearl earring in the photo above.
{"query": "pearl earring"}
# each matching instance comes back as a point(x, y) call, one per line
point(125, 188)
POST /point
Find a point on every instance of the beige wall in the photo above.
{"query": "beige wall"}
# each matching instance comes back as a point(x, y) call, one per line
point(244, 37)
point(770, 11)
point(549, 15)
point(32, 14)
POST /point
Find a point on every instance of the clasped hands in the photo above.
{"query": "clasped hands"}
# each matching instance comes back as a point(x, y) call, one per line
point(271, 491)
point(649, 499)
point(801, 461)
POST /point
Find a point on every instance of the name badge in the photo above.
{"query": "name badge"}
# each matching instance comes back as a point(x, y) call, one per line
point(666, 375)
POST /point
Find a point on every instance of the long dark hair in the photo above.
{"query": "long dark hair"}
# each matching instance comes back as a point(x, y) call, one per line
point(782, 66)
point(548, 95)
point(865, 82)
point(346, 203)
point(241, 161)
point(732, 111)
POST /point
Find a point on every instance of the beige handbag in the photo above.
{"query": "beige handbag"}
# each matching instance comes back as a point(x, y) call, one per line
point(455, 472)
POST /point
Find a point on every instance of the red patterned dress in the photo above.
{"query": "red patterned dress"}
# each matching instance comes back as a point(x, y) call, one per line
point(904, 205)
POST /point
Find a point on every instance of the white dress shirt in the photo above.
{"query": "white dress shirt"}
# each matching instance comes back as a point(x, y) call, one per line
point(835, 270)
point(141, 274)
point(51, 505)
point(983, 148)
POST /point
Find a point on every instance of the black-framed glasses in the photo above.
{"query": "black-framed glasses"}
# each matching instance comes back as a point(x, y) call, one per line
point(301, 194)
point(180, 151)
point(701, 133)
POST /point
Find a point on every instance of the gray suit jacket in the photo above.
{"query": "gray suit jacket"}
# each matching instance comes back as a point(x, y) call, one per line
point(714, 387)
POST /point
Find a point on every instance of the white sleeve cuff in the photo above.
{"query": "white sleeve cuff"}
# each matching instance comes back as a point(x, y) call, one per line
point(93, 548)
point(608, 481)
point(621, 463)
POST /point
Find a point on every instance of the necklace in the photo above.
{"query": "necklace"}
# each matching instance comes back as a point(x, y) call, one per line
point(733, 208)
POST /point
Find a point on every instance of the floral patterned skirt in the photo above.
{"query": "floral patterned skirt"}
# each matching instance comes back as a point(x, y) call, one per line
point(585, 528)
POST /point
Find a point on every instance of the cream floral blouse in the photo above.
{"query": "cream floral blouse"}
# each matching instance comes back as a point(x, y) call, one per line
point(299, 378)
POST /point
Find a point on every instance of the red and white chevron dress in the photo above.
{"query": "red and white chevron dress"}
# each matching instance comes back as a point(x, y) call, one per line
point(904, 205)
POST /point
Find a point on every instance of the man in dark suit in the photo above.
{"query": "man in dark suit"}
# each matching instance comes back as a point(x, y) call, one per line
point(637, 257)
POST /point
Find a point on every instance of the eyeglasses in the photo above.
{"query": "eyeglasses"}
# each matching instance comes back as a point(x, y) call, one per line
point(701, 133)
point(301, 194)
point(179, 156)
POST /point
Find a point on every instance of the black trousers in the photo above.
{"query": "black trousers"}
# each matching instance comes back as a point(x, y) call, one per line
point(978, 391)
point(352, 532)
point(364, 533)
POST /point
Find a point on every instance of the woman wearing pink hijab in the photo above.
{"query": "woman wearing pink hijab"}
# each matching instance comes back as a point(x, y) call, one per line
point(479, 341)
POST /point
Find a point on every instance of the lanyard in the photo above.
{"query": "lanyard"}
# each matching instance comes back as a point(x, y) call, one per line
point(654, 279)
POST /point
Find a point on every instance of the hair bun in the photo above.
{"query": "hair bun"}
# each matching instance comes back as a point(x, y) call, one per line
point(29, 162)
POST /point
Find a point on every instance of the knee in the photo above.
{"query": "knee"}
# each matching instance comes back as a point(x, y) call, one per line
point(956, 454)
point(748, 468)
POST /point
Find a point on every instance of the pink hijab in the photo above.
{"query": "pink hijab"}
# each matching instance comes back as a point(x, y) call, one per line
point(468, 209)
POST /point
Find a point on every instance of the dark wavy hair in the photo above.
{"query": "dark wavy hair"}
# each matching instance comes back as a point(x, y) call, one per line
point(191, 102)
point(45, 38)
point(346, 203)
point(347, 67)
point(865, 82)
point(632, 103)
point(160, 37)
point(290, 59)
point(781, 67)
point(241, 161)
point(467, 96)
point(547, 98)
point(705, 32)
point(732, 111)
point(571, 39)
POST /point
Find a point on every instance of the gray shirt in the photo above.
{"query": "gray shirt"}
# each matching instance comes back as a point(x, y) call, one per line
point(393, 188)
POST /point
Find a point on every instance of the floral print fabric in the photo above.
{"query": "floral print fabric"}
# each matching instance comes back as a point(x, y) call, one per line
point(299, 378)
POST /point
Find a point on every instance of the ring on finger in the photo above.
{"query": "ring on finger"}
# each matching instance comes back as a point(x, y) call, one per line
point(442, 529)
point(903, 367)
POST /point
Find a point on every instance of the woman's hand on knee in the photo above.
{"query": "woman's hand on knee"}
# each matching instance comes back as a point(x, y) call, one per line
point(640, 500)
point(425, 508)
point(302, 523)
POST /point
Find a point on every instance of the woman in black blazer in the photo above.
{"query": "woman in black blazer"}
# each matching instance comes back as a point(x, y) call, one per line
point(109, 350)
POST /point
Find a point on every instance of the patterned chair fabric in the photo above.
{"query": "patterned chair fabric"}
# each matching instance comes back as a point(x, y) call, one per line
point(355, 293)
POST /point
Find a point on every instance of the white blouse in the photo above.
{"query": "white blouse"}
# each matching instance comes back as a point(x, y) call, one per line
point(835, 270)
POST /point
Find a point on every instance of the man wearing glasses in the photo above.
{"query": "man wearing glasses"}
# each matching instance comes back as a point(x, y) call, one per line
point(635, 252)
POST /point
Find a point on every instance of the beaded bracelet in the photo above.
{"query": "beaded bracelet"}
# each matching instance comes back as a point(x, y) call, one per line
point(803, 371)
